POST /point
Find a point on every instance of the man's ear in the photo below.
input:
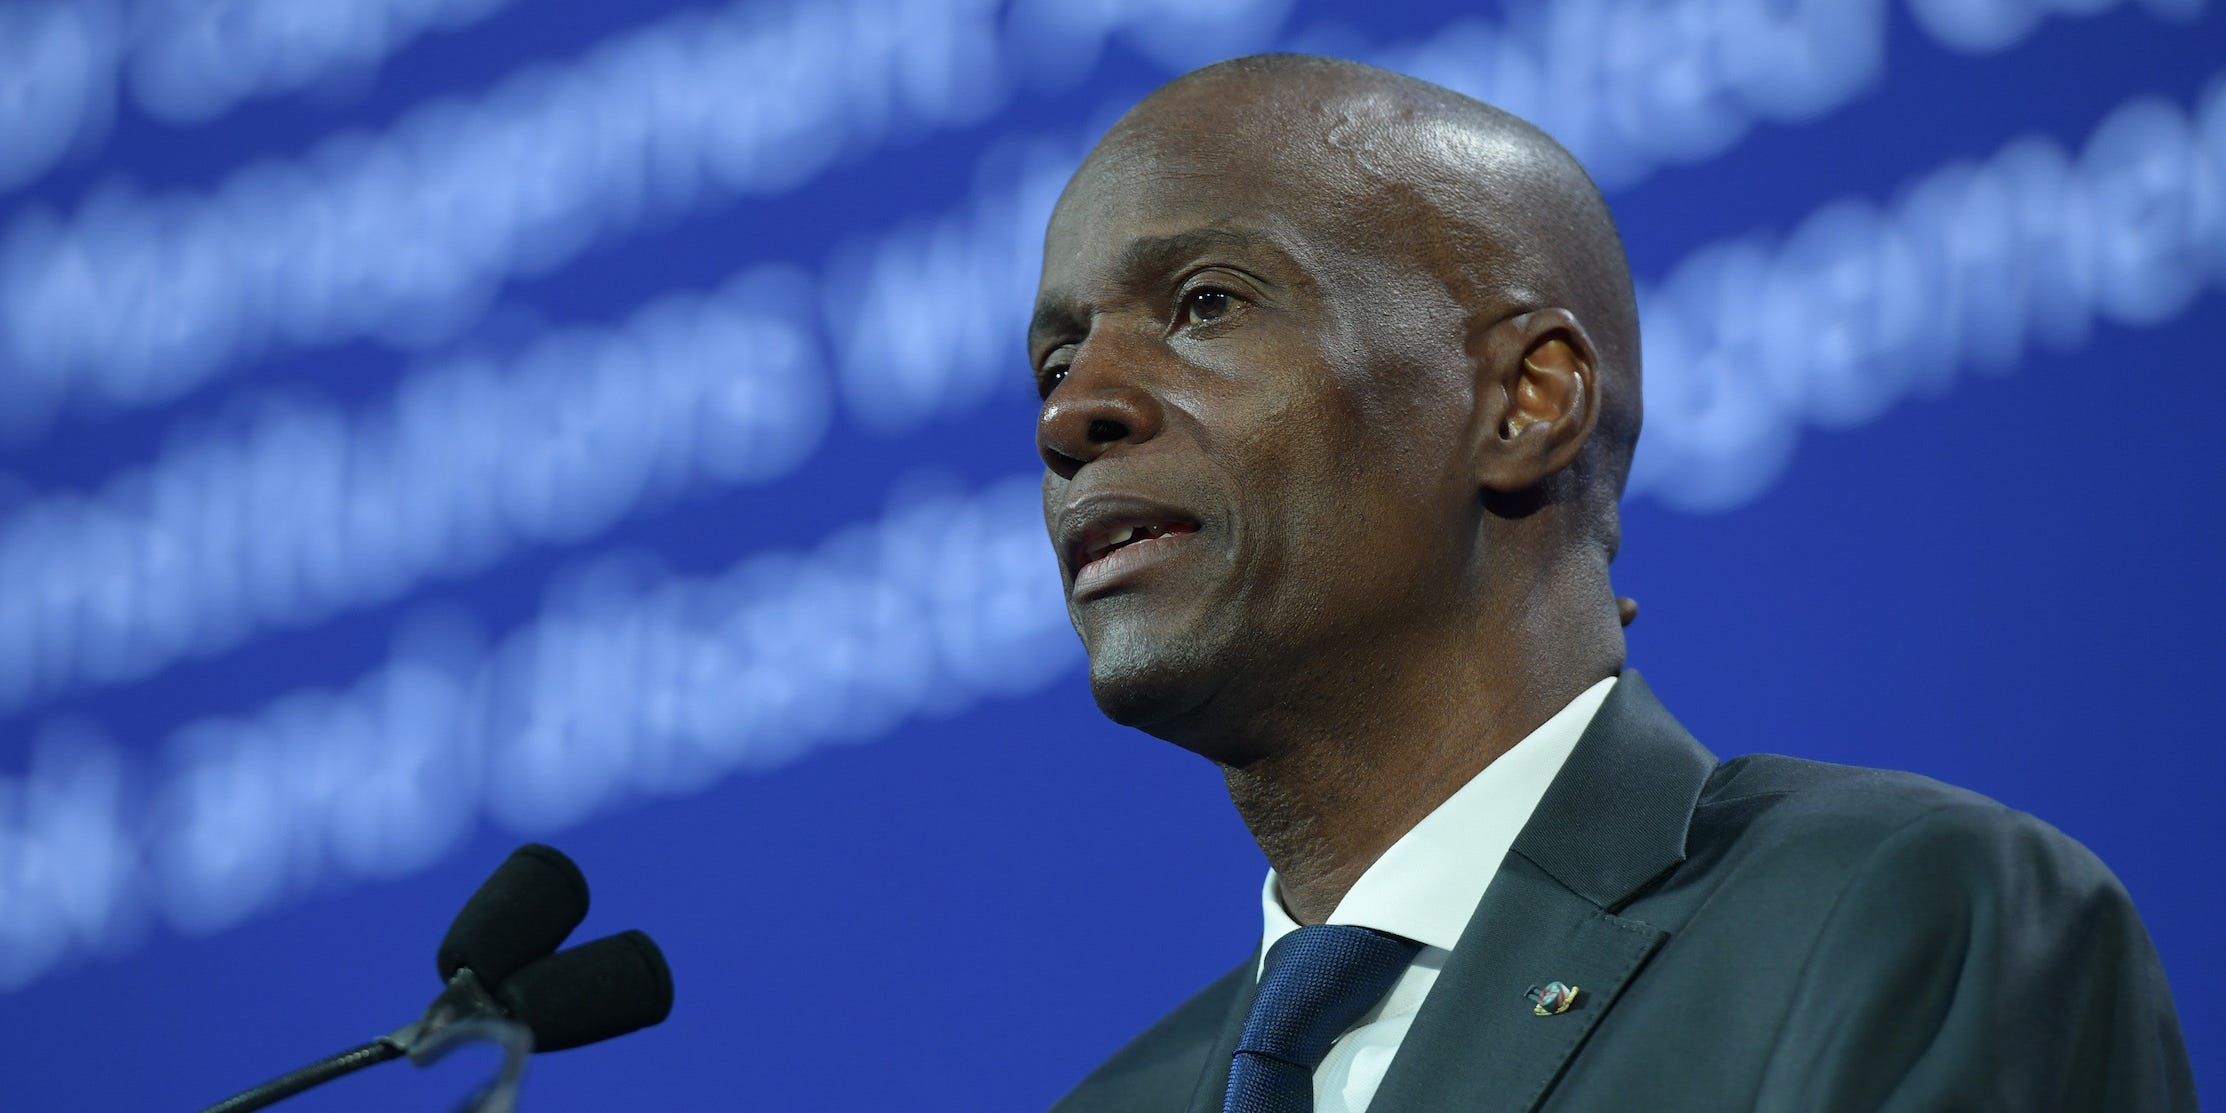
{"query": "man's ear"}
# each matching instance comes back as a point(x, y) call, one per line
point(1537, 398)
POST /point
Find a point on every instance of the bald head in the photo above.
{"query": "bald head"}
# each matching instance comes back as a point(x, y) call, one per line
point(1481, 198)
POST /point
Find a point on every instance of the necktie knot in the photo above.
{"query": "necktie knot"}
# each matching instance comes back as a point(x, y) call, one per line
point(1318, 981)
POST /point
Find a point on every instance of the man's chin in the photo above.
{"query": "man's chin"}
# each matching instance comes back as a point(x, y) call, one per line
point(1169, 698)
point(1149, 694)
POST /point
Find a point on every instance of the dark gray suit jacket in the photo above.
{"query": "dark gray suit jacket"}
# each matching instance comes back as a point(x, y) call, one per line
point(1765, 933)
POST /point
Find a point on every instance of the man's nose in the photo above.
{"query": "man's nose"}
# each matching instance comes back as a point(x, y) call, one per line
point(1094, 408)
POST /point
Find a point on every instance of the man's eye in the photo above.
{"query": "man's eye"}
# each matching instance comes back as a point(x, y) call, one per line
point(1048, 380)
point(1203, 306)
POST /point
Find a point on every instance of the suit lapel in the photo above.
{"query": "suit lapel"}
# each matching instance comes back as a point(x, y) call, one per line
point(1614, 819)
point(1476, 1045)
point(1213, 1075)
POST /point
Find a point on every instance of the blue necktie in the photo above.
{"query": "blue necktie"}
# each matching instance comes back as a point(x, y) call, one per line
point(1318, 981)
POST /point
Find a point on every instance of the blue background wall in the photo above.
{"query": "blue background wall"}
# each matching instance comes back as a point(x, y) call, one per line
point(427, 425)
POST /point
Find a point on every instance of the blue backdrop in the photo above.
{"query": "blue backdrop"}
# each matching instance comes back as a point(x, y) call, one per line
point(427, 425)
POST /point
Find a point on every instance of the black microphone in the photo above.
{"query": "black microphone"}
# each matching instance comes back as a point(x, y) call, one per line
point(594, 991)
point(506, 979)
point(521, 912)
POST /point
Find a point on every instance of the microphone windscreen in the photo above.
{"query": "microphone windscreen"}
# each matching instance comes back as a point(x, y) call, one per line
point(592, 992)
point(521, 913)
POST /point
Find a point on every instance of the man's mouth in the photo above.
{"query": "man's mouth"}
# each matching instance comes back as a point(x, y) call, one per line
point(1113, 554)
point(1132, 535)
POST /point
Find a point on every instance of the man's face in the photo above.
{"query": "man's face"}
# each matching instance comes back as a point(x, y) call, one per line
point(1254, 405)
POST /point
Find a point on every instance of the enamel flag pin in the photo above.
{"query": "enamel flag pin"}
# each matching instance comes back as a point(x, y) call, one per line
point(1554, 998)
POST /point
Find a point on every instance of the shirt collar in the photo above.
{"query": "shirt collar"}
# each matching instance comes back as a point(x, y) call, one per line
point(1428, 884)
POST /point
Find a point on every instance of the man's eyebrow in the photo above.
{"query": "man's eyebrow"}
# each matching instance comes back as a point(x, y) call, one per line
point(1158, 253)
point(1058, 312)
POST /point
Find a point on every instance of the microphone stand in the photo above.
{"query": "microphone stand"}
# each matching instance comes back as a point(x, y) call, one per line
point(315, 1074)
point(464, 1013)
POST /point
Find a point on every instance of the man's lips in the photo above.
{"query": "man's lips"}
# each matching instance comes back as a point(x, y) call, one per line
point(1147, 545)
point(1110, 541)
point(1104, 539)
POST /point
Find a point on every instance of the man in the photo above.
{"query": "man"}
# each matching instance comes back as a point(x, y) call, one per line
point(1341, 383)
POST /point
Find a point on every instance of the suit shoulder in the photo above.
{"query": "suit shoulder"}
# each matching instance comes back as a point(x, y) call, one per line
point(1910, 922)
point(1159, 1068)
point(1850, 817)
point(1759, 776)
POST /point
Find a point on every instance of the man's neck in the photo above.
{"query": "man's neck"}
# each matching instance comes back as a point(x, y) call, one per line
point(1339, 790)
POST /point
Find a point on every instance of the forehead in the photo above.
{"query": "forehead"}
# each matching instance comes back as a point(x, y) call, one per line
point(1348, 174)
point(1220, 142)
point(1203, 177)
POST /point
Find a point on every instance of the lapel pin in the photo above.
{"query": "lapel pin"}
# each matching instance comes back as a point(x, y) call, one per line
point(1553, 998)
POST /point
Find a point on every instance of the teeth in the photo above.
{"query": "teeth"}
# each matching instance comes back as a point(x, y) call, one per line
point(1127, 535)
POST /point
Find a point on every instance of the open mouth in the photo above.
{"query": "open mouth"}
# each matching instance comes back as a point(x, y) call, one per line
point(1127, 536)
point(1114, 552)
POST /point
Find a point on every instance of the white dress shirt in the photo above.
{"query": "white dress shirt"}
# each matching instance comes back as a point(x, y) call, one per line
point(1425, 888)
